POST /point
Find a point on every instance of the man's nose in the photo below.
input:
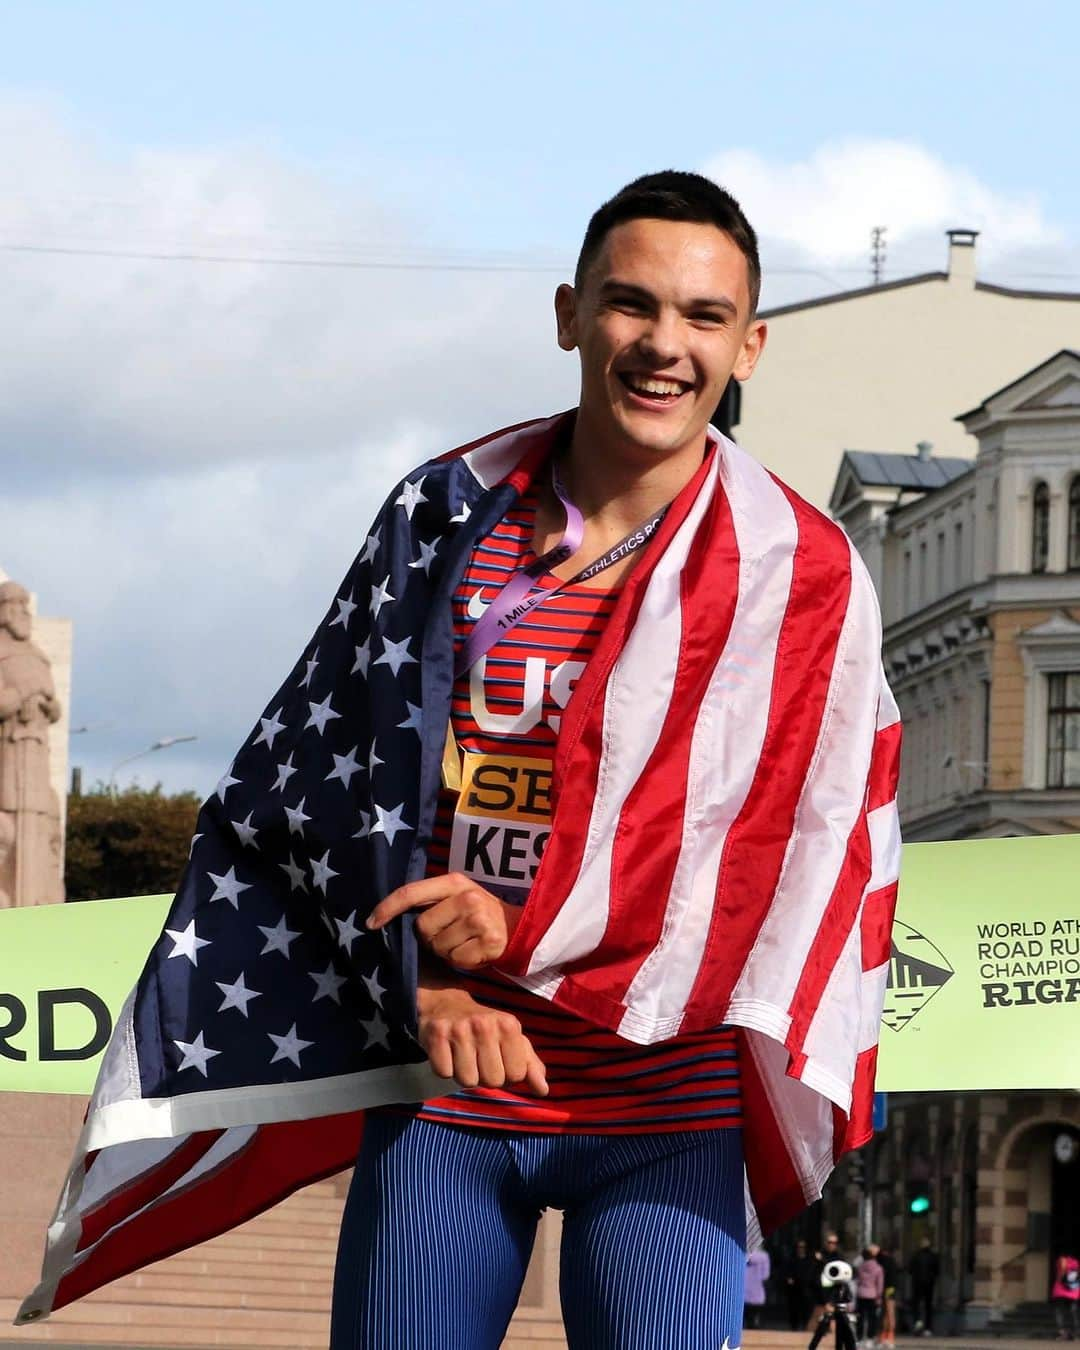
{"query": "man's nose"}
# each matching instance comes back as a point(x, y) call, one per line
point(664, 339)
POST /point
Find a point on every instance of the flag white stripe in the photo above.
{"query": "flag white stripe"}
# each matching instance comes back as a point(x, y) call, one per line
point(825, 816)
point(637, 700)
point(728, 737)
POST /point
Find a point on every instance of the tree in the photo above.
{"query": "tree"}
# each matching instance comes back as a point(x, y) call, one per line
point(134, 842)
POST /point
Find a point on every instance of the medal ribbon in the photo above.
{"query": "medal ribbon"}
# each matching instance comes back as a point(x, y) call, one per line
point(519, 595)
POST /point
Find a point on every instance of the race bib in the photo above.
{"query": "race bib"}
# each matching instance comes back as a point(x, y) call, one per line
point(502, 822)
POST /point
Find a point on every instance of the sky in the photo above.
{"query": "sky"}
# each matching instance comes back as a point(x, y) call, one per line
point(256, 262)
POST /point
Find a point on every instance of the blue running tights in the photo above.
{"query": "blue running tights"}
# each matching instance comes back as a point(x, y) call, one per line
point(440, 1222)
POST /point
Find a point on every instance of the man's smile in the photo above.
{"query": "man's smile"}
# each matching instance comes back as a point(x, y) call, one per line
point(655, 389)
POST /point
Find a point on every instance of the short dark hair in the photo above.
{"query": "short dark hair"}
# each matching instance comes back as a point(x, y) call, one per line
point(674, 195)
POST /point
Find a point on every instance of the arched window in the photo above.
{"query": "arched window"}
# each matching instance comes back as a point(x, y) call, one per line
point(1040, 527)
point(1074, 525)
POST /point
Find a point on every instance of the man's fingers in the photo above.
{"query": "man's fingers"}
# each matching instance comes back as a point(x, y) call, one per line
point(472, 954)
point(416, 893)
point(536, 1074)
point(463, 1048)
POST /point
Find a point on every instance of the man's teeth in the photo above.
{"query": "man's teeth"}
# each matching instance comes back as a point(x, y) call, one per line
point(644, 386)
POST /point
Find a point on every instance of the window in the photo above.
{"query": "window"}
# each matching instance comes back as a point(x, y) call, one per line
point(1040, 527)
point(1063, 730)
point(958, 554)
point(924, 580)
point(1074, 525)
point(941, 562)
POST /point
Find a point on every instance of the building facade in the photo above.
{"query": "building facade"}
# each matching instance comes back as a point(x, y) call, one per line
point(890, 365)
point(977, 565)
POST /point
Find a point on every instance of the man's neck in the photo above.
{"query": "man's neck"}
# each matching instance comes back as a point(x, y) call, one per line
point(618, 489)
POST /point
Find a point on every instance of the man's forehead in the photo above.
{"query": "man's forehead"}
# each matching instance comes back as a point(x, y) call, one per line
point(692, 251)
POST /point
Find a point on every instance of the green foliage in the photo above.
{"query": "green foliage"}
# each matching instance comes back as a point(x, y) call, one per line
point(133, 842)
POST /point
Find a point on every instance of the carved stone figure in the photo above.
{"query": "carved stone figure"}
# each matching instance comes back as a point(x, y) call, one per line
point(29, 809)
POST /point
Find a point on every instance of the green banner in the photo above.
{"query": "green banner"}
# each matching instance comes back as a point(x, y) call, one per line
point(983, 981)
point(65, 971)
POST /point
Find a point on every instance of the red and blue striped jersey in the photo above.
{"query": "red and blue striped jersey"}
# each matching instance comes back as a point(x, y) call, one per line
point(506, 715)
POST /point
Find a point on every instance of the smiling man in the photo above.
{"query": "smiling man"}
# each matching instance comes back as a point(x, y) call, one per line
point(566, 855)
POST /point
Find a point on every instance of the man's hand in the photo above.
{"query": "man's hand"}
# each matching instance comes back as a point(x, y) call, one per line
point(463, 923)
point(474, 1045)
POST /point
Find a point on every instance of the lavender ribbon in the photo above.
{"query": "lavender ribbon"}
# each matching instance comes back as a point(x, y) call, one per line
point(519, 595)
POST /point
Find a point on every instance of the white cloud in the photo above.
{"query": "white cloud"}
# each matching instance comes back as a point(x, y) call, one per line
point(122, 364)
point(825, 206)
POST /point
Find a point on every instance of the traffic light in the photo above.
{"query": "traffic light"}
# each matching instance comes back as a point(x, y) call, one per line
point(918, 1197)
point(857, 1171)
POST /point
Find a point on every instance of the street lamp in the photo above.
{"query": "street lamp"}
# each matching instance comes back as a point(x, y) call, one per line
point(163, 744)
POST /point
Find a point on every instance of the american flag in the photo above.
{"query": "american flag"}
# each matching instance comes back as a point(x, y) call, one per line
point(724, 848)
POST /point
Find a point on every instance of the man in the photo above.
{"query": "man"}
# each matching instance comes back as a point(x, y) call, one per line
point(802, 1286)
point(650, 901)
point(923, 1268)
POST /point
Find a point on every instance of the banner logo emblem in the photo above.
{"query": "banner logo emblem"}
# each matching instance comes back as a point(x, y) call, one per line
point(917, 970)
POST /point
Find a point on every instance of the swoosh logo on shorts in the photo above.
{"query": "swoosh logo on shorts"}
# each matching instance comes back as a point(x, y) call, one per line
point(477, 605)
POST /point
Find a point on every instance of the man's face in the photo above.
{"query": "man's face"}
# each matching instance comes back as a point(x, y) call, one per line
point(831, 1243)
point(661, 322)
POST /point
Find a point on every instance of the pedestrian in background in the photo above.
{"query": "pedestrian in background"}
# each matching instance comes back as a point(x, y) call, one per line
point(869, 1292)
point(923, 1269)
point(758, 1270)
point(802, 1285)
point(887, 1262)
point(1065, 1296)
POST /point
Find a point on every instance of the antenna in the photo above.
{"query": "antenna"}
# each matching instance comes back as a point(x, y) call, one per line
point(877, 252)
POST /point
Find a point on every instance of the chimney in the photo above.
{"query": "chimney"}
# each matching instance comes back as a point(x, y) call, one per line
point(924, 449)
point(962, 256)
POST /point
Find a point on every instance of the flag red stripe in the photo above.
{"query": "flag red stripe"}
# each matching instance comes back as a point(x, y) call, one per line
point(833, 931)
point(579, 752)
point(644, 857)
point(876, 924)
point(859, 1123)
point(774, 1182)
point(758, 839)
point(121, 1204)
point(280, 1159)
point(884, 767)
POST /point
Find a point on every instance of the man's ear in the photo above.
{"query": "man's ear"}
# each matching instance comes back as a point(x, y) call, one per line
point(566, 317)
point(753, 345)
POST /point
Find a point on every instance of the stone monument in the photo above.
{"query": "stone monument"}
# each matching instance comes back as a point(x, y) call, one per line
point(31, 840)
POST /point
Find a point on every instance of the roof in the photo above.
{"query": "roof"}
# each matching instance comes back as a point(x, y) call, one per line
point(918, 280)
point(905, 471)
point(1043, 365)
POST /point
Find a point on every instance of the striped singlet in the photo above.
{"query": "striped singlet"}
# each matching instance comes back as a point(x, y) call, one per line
point(505, 717)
